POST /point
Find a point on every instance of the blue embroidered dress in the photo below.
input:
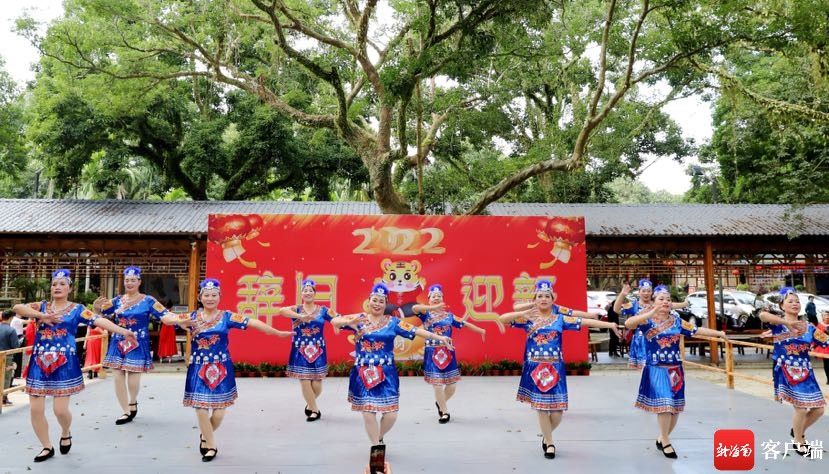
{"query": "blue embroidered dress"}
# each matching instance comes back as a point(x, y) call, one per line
point(135, 317)
point(373, 385)
point(662, 388)
point(307, 360)
point(636, 352)
point(794, 380)
point(210, 382)
point(544, 381)
point(54, 368)
point(440, 366)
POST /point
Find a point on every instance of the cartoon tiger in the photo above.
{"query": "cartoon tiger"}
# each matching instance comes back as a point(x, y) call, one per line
point(404, 282)
point(406, 288)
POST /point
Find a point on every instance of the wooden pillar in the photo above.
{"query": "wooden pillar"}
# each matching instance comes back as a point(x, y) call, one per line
point(729, 365)
point(809, 274)
point(193, 270)
point(102, 372)
point(2, 378)
point(709, 296)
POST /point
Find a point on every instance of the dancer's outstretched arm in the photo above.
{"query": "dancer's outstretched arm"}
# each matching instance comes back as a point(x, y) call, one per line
point(592, 323)
point(635, 321)
point(346, 320)
point(475, 328)
point(260, 326)
point(430, 335)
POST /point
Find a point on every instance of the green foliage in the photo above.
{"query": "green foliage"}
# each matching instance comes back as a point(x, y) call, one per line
point(160, 99)
point(143, 139)
point(13, 153)
point(31, 289)
point(85, 298)
point(771, 123)
point(628, 191)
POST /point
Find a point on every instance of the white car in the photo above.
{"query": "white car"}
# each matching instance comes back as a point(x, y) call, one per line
point(739, 305)
point(594, 305)
point(821, 303)
point(601, 298)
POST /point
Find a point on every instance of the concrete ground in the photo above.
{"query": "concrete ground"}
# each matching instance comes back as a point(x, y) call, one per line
point(490, 432)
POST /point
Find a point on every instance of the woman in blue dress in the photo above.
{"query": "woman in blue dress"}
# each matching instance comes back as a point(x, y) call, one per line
point(636, 352)
point(374, 386)
point(662, 388)
point(543, 382)
point(794, 379)
point(308, 361)
point(440, 365)
point(134, 311)
point(54, 368)
point(210, 386)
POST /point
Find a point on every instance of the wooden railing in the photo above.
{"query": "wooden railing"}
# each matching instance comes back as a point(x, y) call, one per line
point(729, 371)
point(102, 372)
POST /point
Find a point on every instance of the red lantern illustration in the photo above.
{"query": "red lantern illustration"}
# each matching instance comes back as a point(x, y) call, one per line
point(256, 224)
point(255, 221)
point(229, 231)
point(564, 233)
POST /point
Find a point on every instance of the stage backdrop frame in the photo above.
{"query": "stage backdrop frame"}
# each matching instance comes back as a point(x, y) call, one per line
point(485, 264)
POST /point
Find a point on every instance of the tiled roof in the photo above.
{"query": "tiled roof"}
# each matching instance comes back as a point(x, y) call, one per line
point(683, 219)
point(26, 216)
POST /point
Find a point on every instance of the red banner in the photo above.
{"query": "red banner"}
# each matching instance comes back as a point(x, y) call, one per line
point(485, 264)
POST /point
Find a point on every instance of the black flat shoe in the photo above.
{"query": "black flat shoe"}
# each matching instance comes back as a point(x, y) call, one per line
point(672, 454)
point(444, 418)
point(42, 457)
point(202, 447)
point(549, 454)
point(307, 411)
point(209, 457)
point(803, 449)
point(314, 416)
point(133, 412)
point(64, 448)
point(123, 419)
point(659, 445)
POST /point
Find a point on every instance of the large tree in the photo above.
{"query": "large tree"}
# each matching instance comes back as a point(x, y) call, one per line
point(549, 78)
point(183, 134)
point(13, 153)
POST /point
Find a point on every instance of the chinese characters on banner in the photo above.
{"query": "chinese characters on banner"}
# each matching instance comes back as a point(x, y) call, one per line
point(485, 264)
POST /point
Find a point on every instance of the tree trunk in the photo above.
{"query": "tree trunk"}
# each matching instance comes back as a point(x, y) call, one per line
point(380, 177)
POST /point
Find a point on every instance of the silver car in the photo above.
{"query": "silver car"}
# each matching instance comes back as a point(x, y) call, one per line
point(821, 303)
point(739, 306)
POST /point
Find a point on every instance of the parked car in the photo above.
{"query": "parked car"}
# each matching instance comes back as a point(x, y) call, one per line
point(741, 307)
point(821, 303)
point(594, 305)
point(602, 297)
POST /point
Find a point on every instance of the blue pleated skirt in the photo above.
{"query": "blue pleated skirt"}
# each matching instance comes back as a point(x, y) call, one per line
point(300, 368)
point(198, 394)
point(434, 375)
point(554, 399)
point(637, 355)
point(657, 393)
point(383, 398)
point(66, 380)
point(805, 394)
point(139, 359)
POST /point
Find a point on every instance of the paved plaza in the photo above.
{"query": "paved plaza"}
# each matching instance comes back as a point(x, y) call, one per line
point(490, 432)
